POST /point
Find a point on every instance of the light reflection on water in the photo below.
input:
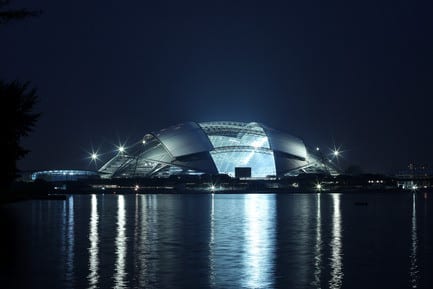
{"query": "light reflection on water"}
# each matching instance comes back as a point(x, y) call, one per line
point(318, 245)
point(94, 241)
point(212, 243)
point(119, 271)
point(336, 245)
point(259, 241)
point(241, 242)
point(229, 241)
point(414, 246)
point(70, 242)
point(147, 236)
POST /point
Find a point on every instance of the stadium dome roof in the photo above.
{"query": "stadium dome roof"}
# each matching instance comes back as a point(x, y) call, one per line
point(215, 148)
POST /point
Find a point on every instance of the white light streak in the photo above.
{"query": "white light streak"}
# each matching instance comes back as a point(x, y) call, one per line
point(336, 246)
point(259, 236)
point(120, 273)
point(318, 245)
point(93, 276)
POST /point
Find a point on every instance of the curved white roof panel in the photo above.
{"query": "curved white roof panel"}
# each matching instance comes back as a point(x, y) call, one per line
point(286, 143)
point(184, 139)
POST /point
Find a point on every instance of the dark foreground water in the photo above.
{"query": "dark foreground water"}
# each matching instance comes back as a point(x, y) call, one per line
point(219, 241)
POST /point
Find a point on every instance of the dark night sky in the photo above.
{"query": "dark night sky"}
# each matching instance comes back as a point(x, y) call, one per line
point(355, 73)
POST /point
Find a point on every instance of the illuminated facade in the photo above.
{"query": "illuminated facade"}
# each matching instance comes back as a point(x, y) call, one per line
point(215, 148)
point(63, 175)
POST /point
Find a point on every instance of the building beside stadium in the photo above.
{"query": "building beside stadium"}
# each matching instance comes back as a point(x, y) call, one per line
point(234, 148)
point(63, 175)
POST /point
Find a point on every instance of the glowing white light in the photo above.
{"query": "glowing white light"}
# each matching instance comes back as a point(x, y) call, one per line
point(120, 243)
point(121, 149)
point(94, 156)
point(336, 153)
point(259, 247)
point(317, 149)
point(319, 187)
point(136, 187)
point(336, 246)
point(318, 251)
point(144, 141)
point(212, 188)
point(93, 276)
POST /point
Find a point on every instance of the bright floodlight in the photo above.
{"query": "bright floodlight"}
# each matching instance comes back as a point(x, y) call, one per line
point(144, 141)
point(317, 149)
point(94, 156)
point(121, 149)
point(318, 187)
point(212, 188)
point(336, 153)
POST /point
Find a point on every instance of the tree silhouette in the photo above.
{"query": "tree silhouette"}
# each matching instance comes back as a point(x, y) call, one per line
point(18, 101)
point(14, 14)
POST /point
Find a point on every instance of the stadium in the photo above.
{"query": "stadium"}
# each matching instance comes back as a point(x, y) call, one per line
point(236, 149)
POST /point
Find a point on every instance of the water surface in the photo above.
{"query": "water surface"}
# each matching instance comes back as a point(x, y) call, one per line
point(220, 241)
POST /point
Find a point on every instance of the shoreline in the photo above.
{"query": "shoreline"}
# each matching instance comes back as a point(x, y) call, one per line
point(63, 194)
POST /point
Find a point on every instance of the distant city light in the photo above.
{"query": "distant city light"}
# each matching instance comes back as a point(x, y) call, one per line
point(336, 153)
point(318, 186)
point(212, 188)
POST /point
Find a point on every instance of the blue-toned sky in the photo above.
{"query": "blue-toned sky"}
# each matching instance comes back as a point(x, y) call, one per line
point(357, 74)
